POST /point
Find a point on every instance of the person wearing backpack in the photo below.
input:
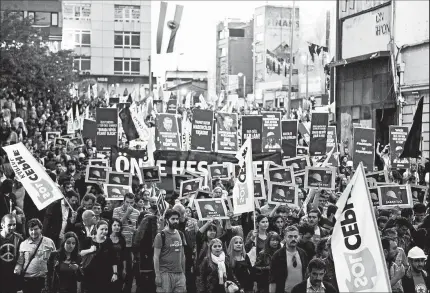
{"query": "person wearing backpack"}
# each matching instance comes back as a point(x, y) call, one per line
point(169, 257)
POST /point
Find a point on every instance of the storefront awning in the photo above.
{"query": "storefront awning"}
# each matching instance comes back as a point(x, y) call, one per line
point(369, 56)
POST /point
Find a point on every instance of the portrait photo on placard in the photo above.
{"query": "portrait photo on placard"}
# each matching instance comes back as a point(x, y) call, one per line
point(150, 174)
point(202, 194)
point(395, 195)
point(115, 192)
point(298, 163)
point(51, 136)
point(299, 178)
point(282, 175)
point(177, 179)
point(419, 193)
point(76, 140)
point(302, 151)
point(119, 178)
point(374, 178)
point(211, 209)
point(219, 182)
point(96, 174)
point(282, 193)
point(218, 171)
point(190, 187)
point(98, 162)
point(320, 177)
point(259, 189)
point(374, 196)
point(60, 142)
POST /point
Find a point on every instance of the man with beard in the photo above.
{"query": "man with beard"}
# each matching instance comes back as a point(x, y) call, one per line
point(315, 283)
point(288, 265)
point(416, 278)
point(395, 272)
point(9, 244)
point(70, 172)
point(169, 257)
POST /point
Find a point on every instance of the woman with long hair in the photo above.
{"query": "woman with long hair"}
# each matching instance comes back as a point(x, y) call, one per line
point(64, 272)
point(258, 236)
point(240, 264)
point(119, 246)
point(262, 264)
point(214, 270)
point(101, 271)
point(278, 225)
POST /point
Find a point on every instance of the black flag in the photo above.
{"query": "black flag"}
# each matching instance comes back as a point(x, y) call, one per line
point(128, 124)
point(412, 145)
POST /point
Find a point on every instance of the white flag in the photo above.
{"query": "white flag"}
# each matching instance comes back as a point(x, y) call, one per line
point(39, 186)
point(243, 191)
point(356, 247)
point(70, 124)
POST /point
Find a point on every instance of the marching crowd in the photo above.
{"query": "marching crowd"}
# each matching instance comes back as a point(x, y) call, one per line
point(84, 243)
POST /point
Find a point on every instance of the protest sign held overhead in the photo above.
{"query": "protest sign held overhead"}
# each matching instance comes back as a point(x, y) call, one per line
point(107, 128)
point(211, 209)
point(364, 148)
point(398, 135)
point(332, 142)
point(39, 186)
point(318, 135)
point(243, 191)
point(289, 138)
point(252, 128)
point(271, 140)
point(167, 133)
point(201, 133)
point(226, 133)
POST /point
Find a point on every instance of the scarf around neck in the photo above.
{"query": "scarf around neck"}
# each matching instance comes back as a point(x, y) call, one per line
point(220, 262)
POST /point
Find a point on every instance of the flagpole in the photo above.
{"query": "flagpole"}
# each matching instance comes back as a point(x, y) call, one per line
point(291, 59)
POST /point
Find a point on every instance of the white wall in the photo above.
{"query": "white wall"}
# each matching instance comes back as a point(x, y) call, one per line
point(412, 21)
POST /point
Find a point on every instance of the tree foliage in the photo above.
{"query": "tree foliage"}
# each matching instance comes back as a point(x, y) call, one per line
point(27, 66)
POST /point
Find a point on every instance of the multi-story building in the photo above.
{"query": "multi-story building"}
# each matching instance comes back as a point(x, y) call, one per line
point(367, 81)
point(46, 15)
point(234, 57)
point(112, 40)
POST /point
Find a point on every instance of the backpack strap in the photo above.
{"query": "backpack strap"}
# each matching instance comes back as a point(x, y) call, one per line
point(163, 238)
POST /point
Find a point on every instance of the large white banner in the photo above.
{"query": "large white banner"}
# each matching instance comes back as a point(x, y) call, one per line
point(355, 243)
point(42, 190)
point(243, 191)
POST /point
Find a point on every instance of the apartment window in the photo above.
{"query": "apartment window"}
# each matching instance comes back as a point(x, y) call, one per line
point(221, 35)
point(41, 18)
point(82, 64)
point(127, 40)
point(259, 37)
point(127, 66)
point(76, 38)
point(223, 52)
point(127, 13)
point(260, 20)
point(238, 33)
point(54, 19)
point(77, 11)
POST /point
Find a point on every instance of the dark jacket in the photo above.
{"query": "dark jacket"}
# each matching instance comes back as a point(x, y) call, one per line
point(53, 221)
point(208, 281)
point(244, 274)
point(143, 240)
point(301, 288)
point(262, 269)
point(408, 281)
point(278, 268)
point(81, 232)
point(52, 280)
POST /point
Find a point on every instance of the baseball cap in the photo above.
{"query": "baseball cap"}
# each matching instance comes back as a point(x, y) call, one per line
point(416, 252)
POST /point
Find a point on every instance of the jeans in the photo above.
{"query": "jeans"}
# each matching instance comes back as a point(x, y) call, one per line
point(172, 283)
point(33, 285)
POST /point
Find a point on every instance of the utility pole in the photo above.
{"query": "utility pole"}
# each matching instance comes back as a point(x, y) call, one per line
point(151, 87)
point(291, 58)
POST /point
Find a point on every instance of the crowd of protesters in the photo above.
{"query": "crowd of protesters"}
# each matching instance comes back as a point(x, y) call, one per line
point(85, 243)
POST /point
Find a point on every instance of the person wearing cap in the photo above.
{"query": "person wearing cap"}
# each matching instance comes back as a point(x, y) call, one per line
point(416, 278)
point(271, 142)
point(315, 179)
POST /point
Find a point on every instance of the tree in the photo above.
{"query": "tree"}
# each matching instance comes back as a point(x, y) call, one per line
point(27, 66)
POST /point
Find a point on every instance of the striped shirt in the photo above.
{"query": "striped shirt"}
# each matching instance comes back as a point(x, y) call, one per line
point(129, 226)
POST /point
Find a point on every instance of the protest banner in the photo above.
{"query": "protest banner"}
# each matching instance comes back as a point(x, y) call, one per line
point(398, 135)
point(96, 174)
point(89, 131)
point(107, 128)
point(167, 133)
point(218, 171)
point(98, 162)
point(119, 178)
point(271, 131)
point(281, 174)
point(299, 178)
point(201, 132)
point(213, 208)
point(374, 196)
point(302, 151)
point(395, 196)
point(178, 179)
point(318, 138)
point(189, 187)
point(252, 128)
point(281, 193)
point(361, 250)
point(364, 148)
point(60, 142)
point(127, 124)
point(377, 177)
point(38, 184)
point(51, 136)
point(298, 163)
point(419, 193)
point(259, 189)
point(226, 140)
point(150, 174)
point(243, 190)
point(172, 106)
point(115, 192)
point(332, 142)
point(304, 131)
point(70, 126)
point(320, 177)
point(289, 138)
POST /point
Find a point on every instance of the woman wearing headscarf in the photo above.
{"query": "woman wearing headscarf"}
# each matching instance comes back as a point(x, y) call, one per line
point(64, 272)
point(240, 264)
point(215, 270)
point(262, 264)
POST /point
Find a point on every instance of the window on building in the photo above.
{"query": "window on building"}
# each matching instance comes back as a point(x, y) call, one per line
point(82, 64)
point(236, 33)
point(223, 52)
point(127, 13)
point(76, 11)
point(127, 66)
point(54, 19)
point(76, 38)
point(41, 18)
point(127, 40)
point(221, 35)
point(82, 38)
point(259, 37)
point(260, 20)
point(344, 5)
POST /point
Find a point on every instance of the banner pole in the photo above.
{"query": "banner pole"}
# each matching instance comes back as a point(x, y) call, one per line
point(68, 204)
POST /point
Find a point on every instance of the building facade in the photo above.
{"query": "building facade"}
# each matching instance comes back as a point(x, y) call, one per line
point(234, 57)
point(46, 15)
point(112, 40)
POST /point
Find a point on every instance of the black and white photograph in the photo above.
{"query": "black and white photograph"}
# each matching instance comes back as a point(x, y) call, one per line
point(51, 136)
point(98, 162)
point(190, 187)
point(419, 193)
point(395, 195)
point(218, 171)
point(298, 163)
point(259, 189)
point(76, 141)
point(282, 193)
point(208, 209)
point(320, 177)
point(115, 192)
point(374, 196)
point(300, 179)
point(302, 151)
point(96, 174)
point(60, 142)
point(282, 174)
point(177, 179)
point(119, 178)
point(219, 182)
point(202, 194)
point(373, 178)
point(150, 174)
point(162, 205)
